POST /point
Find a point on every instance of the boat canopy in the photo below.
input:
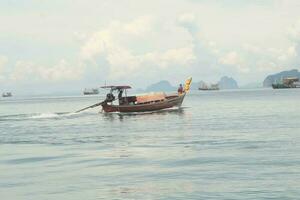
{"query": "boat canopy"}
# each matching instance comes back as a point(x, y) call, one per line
point(116, 87)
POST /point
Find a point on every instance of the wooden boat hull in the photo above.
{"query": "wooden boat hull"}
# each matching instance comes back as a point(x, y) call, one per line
point(169, 102)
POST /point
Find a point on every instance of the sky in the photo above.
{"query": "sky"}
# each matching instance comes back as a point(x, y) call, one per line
point(67, 45)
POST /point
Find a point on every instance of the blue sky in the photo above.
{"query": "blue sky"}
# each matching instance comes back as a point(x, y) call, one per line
point(68, 45)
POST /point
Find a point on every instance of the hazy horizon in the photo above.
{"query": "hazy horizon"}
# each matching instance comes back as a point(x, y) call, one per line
point(68, 45)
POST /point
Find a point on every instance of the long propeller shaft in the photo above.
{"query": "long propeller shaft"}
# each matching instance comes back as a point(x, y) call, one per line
point(92, 106)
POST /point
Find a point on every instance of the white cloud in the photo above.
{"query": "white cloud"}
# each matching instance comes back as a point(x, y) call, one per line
point(187, 19)
point(123, 63)
point(189, 22)
point(3, 62)
point(294, 31)
point(139, 26)
point(266, 66)
point(109, 44)
point(62, 71)
point(292, 51)
point(233, 59)
point(178, 56)
point(107, 40)
point(230, 58)
point(203, 38)
point(252, 49)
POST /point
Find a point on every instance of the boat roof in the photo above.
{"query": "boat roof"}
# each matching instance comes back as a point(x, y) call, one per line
point(116, 87)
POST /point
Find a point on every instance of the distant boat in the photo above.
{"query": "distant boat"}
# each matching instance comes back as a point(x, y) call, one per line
point(211, 87)
point(7, 94)
point(289, 82)
point(90, 91)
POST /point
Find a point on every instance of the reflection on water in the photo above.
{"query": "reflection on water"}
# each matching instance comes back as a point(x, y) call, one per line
point(158, 112)
point(224, 145)
point(121, 116)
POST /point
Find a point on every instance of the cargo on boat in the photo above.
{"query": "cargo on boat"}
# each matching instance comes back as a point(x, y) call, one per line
point(140, 103)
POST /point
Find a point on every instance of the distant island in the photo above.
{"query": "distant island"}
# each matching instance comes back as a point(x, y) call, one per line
point(161, 86)
point(228, 83)
point(224, 83)
point(276, 78)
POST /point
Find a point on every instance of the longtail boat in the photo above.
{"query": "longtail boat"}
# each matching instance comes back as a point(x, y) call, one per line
point(140, 103)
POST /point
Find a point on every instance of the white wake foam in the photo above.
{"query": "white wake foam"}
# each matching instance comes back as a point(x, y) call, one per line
point(44, 116)
point(52, 115)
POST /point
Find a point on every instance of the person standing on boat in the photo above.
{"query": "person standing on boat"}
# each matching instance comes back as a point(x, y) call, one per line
point(120, 94)
point(180, 89)
point(120, 97)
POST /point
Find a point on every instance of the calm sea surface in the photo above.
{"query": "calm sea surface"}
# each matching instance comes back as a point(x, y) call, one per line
point(241, 144)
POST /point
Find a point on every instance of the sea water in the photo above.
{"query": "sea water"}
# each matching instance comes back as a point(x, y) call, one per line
point(239, 144)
